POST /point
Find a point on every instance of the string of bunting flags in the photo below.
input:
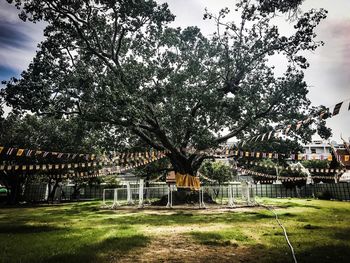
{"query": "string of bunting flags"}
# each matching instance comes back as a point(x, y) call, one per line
point(130, 156)
point(44, 167)
point(297, 125)
point(21, 152)
point(284, 178)
point(120, 162)
point(291, 168)
point(97, 173)
point(129, 160)
point(227, 152)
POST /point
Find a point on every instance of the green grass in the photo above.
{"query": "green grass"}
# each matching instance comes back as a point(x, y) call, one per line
point(83, 232)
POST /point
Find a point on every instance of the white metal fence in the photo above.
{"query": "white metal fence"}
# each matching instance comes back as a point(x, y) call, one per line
point(230, 196)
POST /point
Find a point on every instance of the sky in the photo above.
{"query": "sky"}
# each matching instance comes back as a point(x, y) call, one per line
point(328, 76)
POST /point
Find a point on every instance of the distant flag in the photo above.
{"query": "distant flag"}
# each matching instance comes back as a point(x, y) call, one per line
point(20, 152)
point(9, 151)
point(337, 108)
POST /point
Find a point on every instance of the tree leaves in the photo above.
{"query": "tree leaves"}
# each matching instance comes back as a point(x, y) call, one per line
point(117, 62)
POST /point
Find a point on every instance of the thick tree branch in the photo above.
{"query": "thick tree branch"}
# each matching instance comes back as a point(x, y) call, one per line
point(188, 131)
point(245, 125)
point(147, 139)
point(75, 21)
point(116, 55)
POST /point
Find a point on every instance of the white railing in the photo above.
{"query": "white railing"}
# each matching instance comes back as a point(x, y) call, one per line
point(229, 196)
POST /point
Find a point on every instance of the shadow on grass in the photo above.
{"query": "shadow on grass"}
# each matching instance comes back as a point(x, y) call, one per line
point(343, 234)
point(109, 250)
point(317, 253)
point(25, 229)
point(291, 205)
point(325, 254)
point(220, 238)
point(185, 219)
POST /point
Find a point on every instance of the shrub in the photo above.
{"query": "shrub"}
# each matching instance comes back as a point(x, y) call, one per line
point(324, 195)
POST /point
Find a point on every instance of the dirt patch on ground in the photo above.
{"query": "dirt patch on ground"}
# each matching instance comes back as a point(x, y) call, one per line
point(174, 243)
point(171, 230)
point(161, 210)
point(181, 248)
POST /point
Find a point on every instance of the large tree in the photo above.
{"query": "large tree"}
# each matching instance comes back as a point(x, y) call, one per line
point(118, 62)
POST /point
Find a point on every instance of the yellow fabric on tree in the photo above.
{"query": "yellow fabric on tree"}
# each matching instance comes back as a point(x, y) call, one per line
point(187, 181)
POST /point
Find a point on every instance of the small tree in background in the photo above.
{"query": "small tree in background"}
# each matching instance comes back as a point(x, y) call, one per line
point(218, 171)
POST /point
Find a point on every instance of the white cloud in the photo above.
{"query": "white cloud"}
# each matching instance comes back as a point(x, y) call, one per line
point(17, 57)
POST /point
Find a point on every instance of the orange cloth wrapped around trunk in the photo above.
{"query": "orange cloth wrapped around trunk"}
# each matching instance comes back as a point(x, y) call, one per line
point(187, 181)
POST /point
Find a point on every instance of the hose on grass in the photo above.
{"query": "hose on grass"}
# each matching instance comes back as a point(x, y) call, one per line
point(284, 230)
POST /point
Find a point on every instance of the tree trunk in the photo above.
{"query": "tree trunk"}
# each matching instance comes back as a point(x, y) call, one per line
point(186, 165)
point(14, 190)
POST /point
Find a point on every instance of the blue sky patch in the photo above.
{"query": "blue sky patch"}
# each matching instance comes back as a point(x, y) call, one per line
point(7, 72)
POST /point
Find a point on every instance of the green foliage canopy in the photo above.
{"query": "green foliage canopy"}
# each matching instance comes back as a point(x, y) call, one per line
point(117, 62)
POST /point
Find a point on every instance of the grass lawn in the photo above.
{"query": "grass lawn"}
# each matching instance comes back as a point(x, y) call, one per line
point(84, 232)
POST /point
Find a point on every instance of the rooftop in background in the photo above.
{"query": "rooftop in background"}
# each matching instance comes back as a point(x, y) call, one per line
point(321, 147)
